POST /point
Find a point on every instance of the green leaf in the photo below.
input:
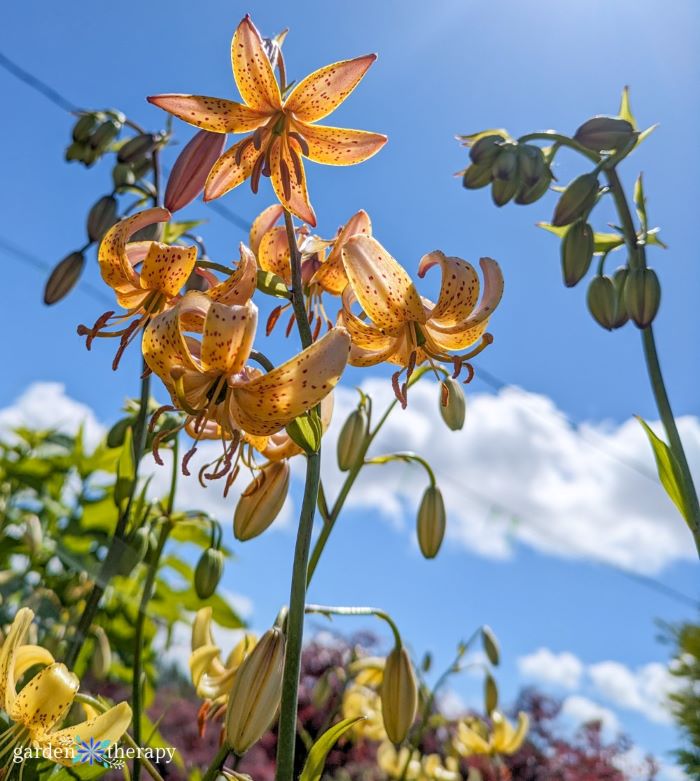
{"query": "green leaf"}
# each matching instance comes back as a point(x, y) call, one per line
point(173, 230)
point(625, 108)
point(653, 239)
point(607, 242)
point(640, 203)
point(315, 761)
point(272, 284)
point(472, 138)
point(126, 471)
point(669, 472)
point(306, 431)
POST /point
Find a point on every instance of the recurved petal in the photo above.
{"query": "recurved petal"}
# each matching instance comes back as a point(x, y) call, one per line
point(453, 340)
point(470, 742)
point(216, 114)
point(514, 738)
point(228, 336)
point(264, 222)
point(252, 69)
point(325, 89)
point(382, 286)
point(107, 727)
point(271, 401)
point(29, 655)
point(167, 268)
point(289, 180)
point(363, 334)
point(8, 657)
point(232, 168)
point(201, 661)
point(459, 289)
point(273, 253)
point(331, 276)
point(46, 700)
point(240, 286)
point(339, 145)
point(115, 266)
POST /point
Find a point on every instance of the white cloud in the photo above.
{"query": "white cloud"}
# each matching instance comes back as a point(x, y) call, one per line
point(519, 472)
point(580, 710)
point(564, 669)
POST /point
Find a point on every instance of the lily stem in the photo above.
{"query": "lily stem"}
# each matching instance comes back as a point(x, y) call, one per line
point(218, 761)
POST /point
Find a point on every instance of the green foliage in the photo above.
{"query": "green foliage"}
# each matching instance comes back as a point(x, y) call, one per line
point(686, 701)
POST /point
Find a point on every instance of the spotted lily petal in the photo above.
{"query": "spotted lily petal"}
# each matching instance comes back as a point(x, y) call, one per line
point(46, 700)
point(382, 287)
point(252, 69)
point(265, 221)
point(339, 145)
point(29, 655)
point(216, 114)
point(107, 727)
point(459, 289)
point(273, 253)
point(449, 340)
point(166, 268)
point(240, 286)
point(116, 268)
point(228, 336)
point(232, 168)
point(331, 276)
point(280, 446)
point(289, 180)
point(8, 657)
point(271, 401)
point(322, 91)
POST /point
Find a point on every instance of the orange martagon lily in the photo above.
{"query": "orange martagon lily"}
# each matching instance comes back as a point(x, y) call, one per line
point(200, 349)
point(284, 129)
point(406, 329)
point(163, 272)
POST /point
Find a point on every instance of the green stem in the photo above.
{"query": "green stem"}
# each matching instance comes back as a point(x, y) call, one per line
point(408, 458)
point(297, 286)
point(218, 761)
point(637, 254)
point(334, 610)
point(558, 138)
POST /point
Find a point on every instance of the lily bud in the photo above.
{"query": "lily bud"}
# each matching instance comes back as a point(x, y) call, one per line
point(101, 655)
point(642, 296)
point(84, 127)
point(527, 195)
point(399, 695)
point(602, 301)
point(208, 572)
point(137, 147)
point(352, 440)
point(431, 522)
point(453, 405)
point(577, 248)
point(486, 149)
point(104, 135)
point(261, 501)
point(133, 552)
point(477, 176)
point(604, 134)
point(505, 175)
point(101, 217)
point(576, 201)
point(256, 692)
point(192, 167)
point(619, 279)
point(123, 175)
point(532, 164)
point(64, 277)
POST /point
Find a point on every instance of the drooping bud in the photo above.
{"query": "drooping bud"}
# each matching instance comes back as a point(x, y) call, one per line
point(104, 135)
point(577, 200)
point(527, 195)
point(261, 501)
point(84, 127)
point(453, 405)
point(399, 695)
point(642, 296)
point(78, 150)
point(532, 164)
point(604, 134)
point(490, 644)
point(208, 572)
point(192, 167)
point(577, 248)
point(138, 147)
point(490, 694)
point(477, 176)
point(431, 522)
point(64, 277)
point(505, 175)
point(101, 661)
point(256, 692)
point(619, 279)
point(352, 440)
point(486, 149)
point(123, 175)
point(602, 301)
point(101, 217)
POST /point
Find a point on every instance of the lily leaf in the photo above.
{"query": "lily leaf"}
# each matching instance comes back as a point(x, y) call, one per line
point(173, 230)
point(306, 431)
point(640, 203)
point(313, 767)
point(272, 284)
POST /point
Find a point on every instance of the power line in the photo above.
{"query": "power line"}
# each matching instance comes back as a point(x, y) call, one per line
point(37, 84)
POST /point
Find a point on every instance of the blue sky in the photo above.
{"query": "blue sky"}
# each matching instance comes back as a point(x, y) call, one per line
point(460, 67)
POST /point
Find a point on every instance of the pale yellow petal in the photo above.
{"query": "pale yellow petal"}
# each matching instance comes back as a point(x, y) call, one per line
point(252, 69)
point(289, 180)
point(271, 401)
point(45, 700)
point(167, 268)
point(468, 741)
point(232, 168)
point(459, 287)
point(8, 657)
point(322, 91)
point(240, 286)
point(265, 221)
point(331, 276)
point(454, 340)
point(29, 655)
point(339, 145)
point(273, 253)
point(228, 336)
point(215, 114)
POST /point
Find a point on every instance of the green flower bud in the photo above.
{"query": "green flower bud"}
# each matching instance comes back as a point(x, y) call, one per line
point(64, 277)
point(505, 176)
point(399, 695)
point(136, 148)
point(577, 252)
point(261, 501)
point(577, 200)
point(352, 440)
point(486, 149)
point(431, 522)
point(477, 176)
point(602, 301)
point(619, 279)
point(490, 694)
point(604, 134)
point(101, 217)
point(642, 296)
point(123, 175)
point(532, 164)
point(256, 692)
point(208, 572)
point(490, 643)
point(101, 661)
point(104, 135)
point(453, 405)
point(141, 167)
point(133, 552)
point(76, 151)
point(527, 195)
point(84, 127)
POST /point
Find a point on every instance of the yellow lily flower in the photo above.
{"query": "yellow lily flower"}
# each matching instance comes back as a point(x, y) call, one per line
point(399, 764)
point(209, 378)
point(284, 127)
point(473, 737)
point(43, 703)
point(363, 701)
point(432, 768)
point(163, 272)
point(406, 329)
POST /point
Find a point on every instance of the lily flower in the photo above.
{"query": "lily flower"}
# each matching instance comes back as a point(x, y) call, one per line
point(473, 737)
point(164, 270)
point(406, 329)
point(322, 268)
point(283, 127)
point(200, 349)
point(43, 703)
